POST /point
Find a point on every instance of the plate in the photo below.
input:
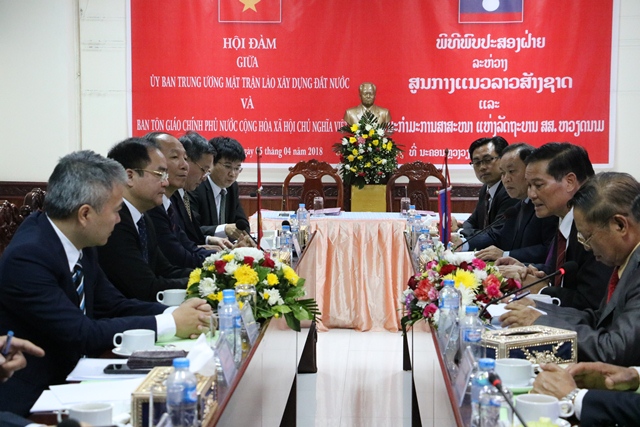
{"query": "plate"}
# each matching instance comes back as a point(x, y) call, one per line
point(120, 352)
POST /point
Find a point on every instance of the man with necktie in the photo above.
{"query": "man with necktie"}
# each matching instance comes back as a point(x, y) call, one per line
point(606, 211)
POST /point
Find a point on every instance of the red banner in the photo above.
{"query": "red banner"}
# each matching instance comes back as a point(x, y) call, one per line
point(280, 73)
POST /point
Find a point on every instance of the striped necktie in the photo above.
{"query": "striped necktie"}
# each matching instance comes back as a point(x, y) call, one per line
point(78, 281)
point(144, 239)
point(223, 206)
point(187, 204)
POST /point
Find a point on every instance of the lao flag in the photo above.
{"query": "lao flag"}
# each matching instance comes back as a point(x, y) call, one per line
point(496, 11)
point(250, 11)
point(444, 209)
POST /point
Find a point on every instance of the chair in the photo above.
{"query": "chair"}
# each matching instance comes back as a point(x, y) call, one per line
point(416, 189)
point(33, 201)
point(312, 171)
point(10, 219)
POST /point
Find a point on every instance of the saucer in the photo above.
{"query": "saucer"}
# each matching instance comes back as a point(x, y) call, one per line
point(120, 352)
point(521, 389)
point(560, 422)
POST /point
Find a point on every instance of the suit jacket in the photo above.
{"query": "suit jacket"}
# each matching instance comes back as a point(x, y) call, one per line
point(174, 243)
point(204, 210)
point(611, 333)
point(524, 235)
point(585, 288)
point(38, 301)
point(188, 224)
point(610, 408)
point(7, 419)
point(353, 115)
point(121, 259)
point(500, 203)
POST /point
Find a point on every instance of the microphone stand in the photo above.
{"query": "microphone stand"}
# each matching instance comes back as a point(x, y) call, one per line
point(497, 383)
point(259, 194)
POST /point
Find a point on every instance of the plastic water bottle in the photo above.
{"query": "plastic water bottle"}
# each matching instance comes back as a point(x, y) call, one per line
point(479, 379)
point(182, 395)
point(286, 245)
point(494, 409)
point(471, 332)
point(422, 244)
point(303, 224)
point(449, 304)
point(231, 324)
point(295, 229)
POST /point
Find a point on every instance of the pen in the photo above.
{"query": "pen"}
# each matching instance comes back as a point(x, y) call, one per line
point(7, 344)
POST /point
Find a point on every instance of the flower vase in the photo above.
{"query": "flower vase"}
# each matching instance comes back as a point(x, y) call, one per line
point(370, 198)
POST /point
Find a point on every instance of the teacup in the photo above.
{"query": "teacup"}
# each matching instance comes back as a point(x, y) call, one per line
point(134, 340)
point(171, 296)
point(95, 414)
point(544, 298)
point(515, 372)
point(533, 406)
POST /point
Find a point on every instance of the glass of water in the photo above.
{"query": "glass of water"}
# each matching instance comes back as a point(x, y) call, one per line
point(404, 205)
point(318, 206)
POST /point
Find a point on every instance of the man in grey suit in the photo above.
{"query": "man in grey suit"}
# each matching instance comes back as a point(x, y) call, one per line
point(607, 215)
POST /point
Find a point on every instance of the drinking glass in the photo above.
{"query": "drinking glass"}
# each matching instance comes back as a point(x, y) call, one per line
point(404, 205)
point(318, 206)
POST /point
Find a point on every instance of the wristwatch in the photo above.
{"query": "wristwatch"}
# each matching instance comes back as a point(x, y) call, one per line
point(572, 395)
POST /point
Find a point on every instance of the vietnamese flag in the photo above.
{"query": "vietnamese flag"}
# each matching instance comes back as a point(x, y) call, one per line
point(250, 11)
point(481, 11)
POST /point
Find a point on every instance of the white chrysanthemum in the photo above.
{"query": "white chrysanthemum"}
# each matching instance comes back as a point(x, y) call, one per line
point(369, 149)
point(272, 296)
point(380, 132)
point(466, 296)
point(368, 127)
point(231, 267)
point(345, 141)
point(207, 286)
point(211, 259)
point(383, 161)
point(254, 253)
point(384, 140)
point(436, 317)
point(347, 166)
point(422, 304)
point(361, 150)
point(480, 274)
point(406, 293)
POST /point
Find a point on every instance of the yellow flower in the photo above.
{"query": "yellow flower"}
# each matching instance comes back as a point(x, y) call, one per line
point(354, 151)
point(352, 139)
point(354, 168)
point(367, 165)
point(246, 275)
point(466, 279)
point(217, 296)
point(290, 275)
point(350, 157)
point(211, 268)
point(371, 132)
point(365, 136)
point(194, 277)
point(359, 157)
point(375, 142)
point(389, 146)
point(240, 305)
point(378, 161)
point(228, 257)
point(272, 279)
point(265, 295)
point(354, 127)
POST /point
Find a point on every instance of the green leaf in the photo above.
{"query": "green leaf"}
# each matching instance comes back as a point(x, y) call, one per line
point(281, 309)
point(292, 322)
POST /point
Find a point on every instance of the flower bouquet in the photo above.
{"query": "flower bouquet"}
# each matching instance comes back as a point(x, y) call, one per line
point(367, 153)
point(477, 281)
point(278, 287)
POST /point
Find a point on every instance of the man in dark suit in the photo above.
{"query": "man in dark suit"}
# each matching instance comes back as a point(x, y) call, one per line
point(523, 236)
point(607, 214)
point(131, 258)
point(216, 202)
point(555, 172)
point(602, 394)
point(172, 240)
point(52, 291)
point(200, 159)
point(493, 200)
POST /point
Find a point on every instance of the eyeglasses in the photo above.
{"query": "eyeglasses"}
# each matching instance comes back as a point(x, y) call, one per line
point(232, 169)
point(163, 175)
point(585, 242)
point(205, 172)
point(486, 161)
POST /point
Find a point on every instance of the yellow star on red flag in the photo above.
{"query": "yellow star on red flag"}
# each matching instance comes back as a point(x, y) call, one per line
point(249, 4)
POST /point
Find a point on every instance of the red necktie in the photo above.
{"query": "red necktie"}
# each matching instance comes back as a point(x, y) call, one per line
point(561, 253)
point(613, 282)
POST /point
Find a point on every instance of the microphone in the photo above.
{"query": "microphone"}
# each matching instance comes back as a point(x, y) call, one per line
point(569, 267)
point(495, 381)
point(243, 225)
point(509, 213)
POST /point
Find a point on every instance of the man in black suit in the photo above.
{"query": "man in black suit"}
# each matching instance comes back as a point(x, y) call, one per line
point(220, 192)
point(172, 240)
point(555, 172)
point(131, 258)
point(493, 200)
point(200, 159)
point(602, 394)
point(52, 291)
point(523, 236)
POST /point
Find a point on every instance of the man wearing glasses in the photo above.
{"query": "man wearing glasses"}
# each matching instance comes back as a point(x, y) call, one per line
point(131, 258)
point(216, 202)
point(493, 199)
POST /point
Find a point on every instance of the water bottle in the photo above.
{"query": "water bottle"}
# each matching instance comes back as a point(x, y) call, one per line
point(295, 229)
point(303, 224)
point(411, 218)
point(286, 245)
point(182, 395)
point(449, 305)
point(471, 332)
point(422, 244)
point(231, 324)
point(494, 409)
point(479, 379)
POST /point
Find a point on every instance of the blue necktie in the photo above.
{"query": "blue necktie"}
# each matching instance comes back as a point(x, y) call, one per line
point(78, 281)
point(144, 239)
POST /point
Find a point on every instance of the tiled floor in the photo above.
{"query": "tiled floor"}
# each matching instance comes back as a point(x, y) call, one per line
point(360, 382)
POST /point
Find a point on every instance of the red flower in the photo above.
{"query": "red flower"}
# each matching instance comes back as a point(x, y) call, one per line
point(478, 263)
point(248, 260)
point(268, 262)
point(413, 283)
point(513, 284)
point(492, 285)
point(220, 265)
point(429, 310)
point(464, 265)
point(483, 298)
point(447, 269)
point(361, 173)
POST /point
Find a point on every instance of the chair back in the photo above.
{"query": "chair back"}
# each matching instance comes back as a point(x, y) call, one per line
point(312, 171)
point(10, 219)
point(416, 189)
point(33, 201)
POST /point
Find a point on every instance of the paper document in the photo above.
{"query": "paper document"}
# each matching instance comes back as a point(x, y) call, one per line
point(93, 369)
point(497, 310)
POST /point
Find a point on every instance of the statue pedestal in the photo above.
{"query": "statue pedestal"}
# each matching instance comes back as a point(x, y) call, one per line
point(370, 198)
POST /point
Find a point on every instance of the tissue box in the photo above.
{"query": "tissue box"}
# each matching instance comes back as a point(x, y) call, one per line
point(539, 344)
point(207, 404)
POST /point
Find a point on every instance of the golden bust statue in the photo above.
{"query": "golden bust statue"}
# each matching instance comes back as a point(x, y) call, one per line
point(367, 96)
